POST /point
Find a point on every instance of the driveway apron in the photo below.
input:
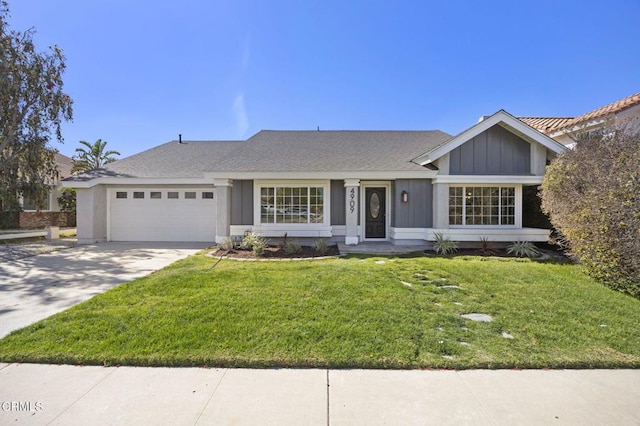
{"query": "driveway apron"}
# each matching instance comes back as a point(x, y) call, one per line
point(34, 288)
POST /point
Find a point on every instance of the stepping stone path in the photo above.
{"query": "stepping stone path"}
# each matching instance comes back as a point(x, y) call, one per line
point(506, 335)
point(404, 283)
point(465, 343)
point(478, 317)
point(450, 286)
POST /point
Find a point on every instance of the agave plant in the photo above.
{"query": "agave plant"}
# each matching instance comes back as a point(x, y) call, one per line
point(523, 249)
point(444, 245)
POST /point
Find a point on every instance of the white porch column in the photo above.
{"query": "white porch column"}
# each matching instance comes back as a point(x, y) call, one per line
point(441, 205)
point(223, 208)
point(351, 207)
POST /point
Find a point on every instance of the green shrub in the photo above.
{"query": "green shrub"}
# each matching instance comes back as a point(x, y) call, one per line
point(252, 240)
point(226, 244)
point(292, 247)
point(67, 201)
point(523, 249)
point(258, 246)
point(320, 247)
point(591, 196)
point(444, 245)
point(9, 219)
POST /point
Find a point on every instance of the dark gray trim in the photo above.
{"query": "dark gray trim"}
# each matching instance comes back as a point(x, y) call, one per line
point(242, 202)
point(418, 211)
point(496, 151)
point(338, 194)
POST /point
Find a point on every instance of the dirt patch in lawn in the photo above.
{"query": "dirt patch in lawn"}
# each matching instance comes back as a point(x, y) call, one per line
point(277, 252)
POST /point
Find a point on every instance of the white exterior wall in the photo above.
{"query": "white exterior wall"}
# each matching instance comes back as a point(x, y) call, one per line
point(91, 214)
point(223, 208)
point(538, 159)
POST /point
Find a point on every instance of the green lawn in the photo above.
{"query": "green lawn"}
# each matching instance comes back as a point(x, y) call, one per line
point(343, 313)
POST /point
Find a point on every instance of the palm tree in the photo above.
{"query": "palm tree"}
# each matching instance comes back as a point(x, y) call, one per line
point(93, 157)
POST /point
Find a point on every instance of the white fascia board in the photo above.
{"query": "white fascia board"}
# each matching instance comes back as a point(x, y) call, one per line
point(363, 175)
point(499, 118)
point(135, 181)
point(488, 179)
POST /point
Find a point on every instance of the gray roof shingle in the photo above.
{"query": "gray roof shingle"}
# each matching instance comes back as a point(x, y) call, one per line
point(279, 151)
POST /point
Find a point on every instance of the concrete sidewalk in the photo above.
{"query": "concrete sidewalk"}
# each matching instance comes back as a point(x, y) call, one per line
point(33, 288)
point(69, 395)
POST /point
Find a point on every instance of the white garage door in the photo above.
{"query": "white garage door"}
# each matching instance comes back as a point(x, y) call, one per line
point(162, 215)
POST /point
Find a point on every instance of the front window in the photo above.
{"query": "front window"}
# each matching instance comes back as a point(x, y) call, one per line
point(296, 205)
point(482, 205)
point(29, 203)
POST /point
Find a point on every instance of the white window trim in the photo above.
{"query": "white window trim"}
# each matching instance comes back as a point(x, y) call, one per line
point(257, 190)
point(518, 207)
point(49, 196)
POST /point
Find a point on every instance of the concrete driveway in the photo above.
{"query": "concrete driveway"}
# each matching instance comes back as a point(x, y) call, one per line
point(36, 287)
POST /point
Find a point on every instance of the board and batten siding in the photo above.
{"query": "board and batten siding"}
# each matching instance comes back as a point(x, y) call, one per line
point(338, 212)
point(242, 202)
point(496, 151)
point(418, 211)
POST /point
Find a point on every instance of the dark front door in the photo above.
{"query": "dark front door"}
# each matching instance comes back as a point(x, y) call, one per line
point(376, 213)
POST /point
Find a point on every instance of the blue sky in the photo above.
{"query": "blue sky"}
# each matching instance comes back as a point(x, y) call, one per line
point(141, 72)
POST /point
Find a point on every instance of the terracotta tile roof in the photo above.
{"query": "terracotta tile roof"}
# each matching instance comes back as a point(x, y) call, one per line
point(605, 111)
point(550, 125)
point(546, 124)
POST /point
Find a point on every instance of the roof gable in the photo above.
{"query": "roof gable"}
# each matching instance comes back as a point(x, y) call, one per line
point(501, 118)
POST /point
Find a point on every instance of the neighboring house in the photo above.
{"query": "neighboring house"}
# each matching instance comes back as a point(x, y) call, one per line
point(622, 113)
point(64, 164)
point(347, 186)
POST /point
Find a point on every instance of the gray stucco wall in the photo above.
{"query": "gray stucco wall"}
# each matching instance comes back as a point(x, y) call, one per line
point(418, 212)
point(242, 202)
point(495, 151)
point(338, 213)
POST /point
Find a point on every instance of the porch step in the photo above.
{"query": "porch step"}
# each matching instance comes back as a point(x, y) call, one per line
point(382, 248)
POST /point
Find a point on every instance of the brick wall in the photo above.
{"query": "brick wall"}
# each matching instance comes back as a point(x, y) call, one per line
point(39, 220)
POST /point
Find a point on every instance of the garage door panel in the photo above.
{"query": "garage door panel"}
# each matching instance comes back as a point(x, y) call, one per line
point(161, 219)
